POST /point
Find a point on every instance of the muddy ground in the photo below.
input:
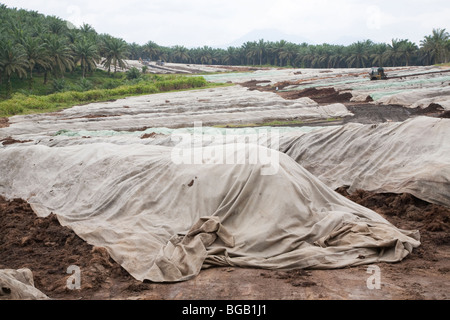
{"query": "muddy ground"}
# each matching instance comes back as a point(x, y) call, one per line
point(4, 122)
point(363, 112)
point(48, 249)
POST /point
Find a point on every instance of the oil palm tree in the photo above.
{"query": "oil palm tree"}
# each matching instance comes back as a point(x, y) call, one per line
point(336, 56)
point(180, 53)
point(358, 55)
point(135, 51)
point(230, 55)
point(2, 40)
point(261, 47)
point(251, 51)
point(86, 53)
point(152, 50)
point(88, 31)
point(407, 49)
point(217, 56)
point(311, 58)
point(378, 54)
point(115, 51)
point(164, 53)
point(57, 26)
point(280, 50)
point(36, 54)
point(246, 52)
point(60, 55)
point(394, 52)
point(12, 60)
point(206, 55)
point(434, 46)
point(289, 52)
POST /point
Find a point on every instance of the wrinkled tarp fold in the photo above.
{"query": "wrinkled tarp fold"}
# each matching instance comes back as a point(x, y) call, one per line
point(164, 221)
point(19, 285)
point(397, 157)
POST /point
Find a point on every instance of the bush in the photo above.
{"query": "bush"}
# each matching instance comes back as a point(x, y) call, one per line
point(119, 91)
point(59, 85)
point(148, 84)
point(9, 109)
point(111, 84)
point(76, 96)
point(18, 96)
point(26, 92)
point(84, 85)
point(35, 103)
point(60, 97)
point(133, 73)
point(156, 77)
point(181, 83)
point(93, 95)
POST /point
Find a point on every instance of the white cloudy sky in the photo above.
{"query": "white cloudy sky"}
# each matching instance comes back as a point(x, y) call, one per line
point(216, 23)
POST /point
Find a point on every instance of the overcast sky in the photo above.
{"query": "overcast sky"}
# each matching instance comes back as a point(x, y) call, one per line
point(219, 23)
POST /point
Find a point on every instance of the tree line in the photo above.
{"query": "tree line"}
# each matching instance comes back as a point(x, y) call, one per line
point(32, 42)
point(433, 49)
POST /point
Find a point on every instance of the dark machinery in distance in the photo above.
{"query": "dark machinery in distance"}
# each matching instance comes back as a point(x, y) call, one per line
point(377, 73)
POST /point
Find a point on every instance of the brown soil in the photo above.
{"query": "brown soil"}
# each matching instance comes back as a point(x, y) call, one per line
point(4, 122)
point(253, 85)
point(324, 95)
point(148, 135)
point(9, 140)
point(445, 114)
point(406, 210)
point(364, 113)
point(433, 110)
point(367, 113)
point(48, 249)
point(321, 95)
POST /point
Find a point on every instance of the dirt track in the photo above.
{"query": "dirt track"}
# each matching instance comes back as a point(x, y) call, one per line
point(47, 248)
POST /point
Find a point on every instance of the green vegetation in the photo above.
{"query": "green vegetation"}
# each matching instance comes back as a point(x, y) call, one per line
point(46, 65)
point(37, 46)
point(443, 64)
point(24, 104)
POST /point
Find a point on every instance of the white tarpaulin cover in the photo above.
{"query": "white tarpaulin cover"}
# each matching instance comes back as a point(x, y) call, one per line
point(164, 221)
point(174, 109)
point(18, 285)
point(411, 156)
point(419, 98)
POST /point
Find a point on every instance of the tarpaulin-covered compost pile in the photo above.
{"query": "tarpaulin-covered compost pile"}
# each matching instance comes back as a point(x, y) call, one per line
point(164, 220)
point(235, 204)
point(173, 109)
point(402, 157)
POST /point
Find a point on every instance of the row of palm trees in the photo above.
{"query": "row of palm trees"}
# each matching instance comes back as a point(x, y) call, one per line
point(32, 42)
point(433, 49)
